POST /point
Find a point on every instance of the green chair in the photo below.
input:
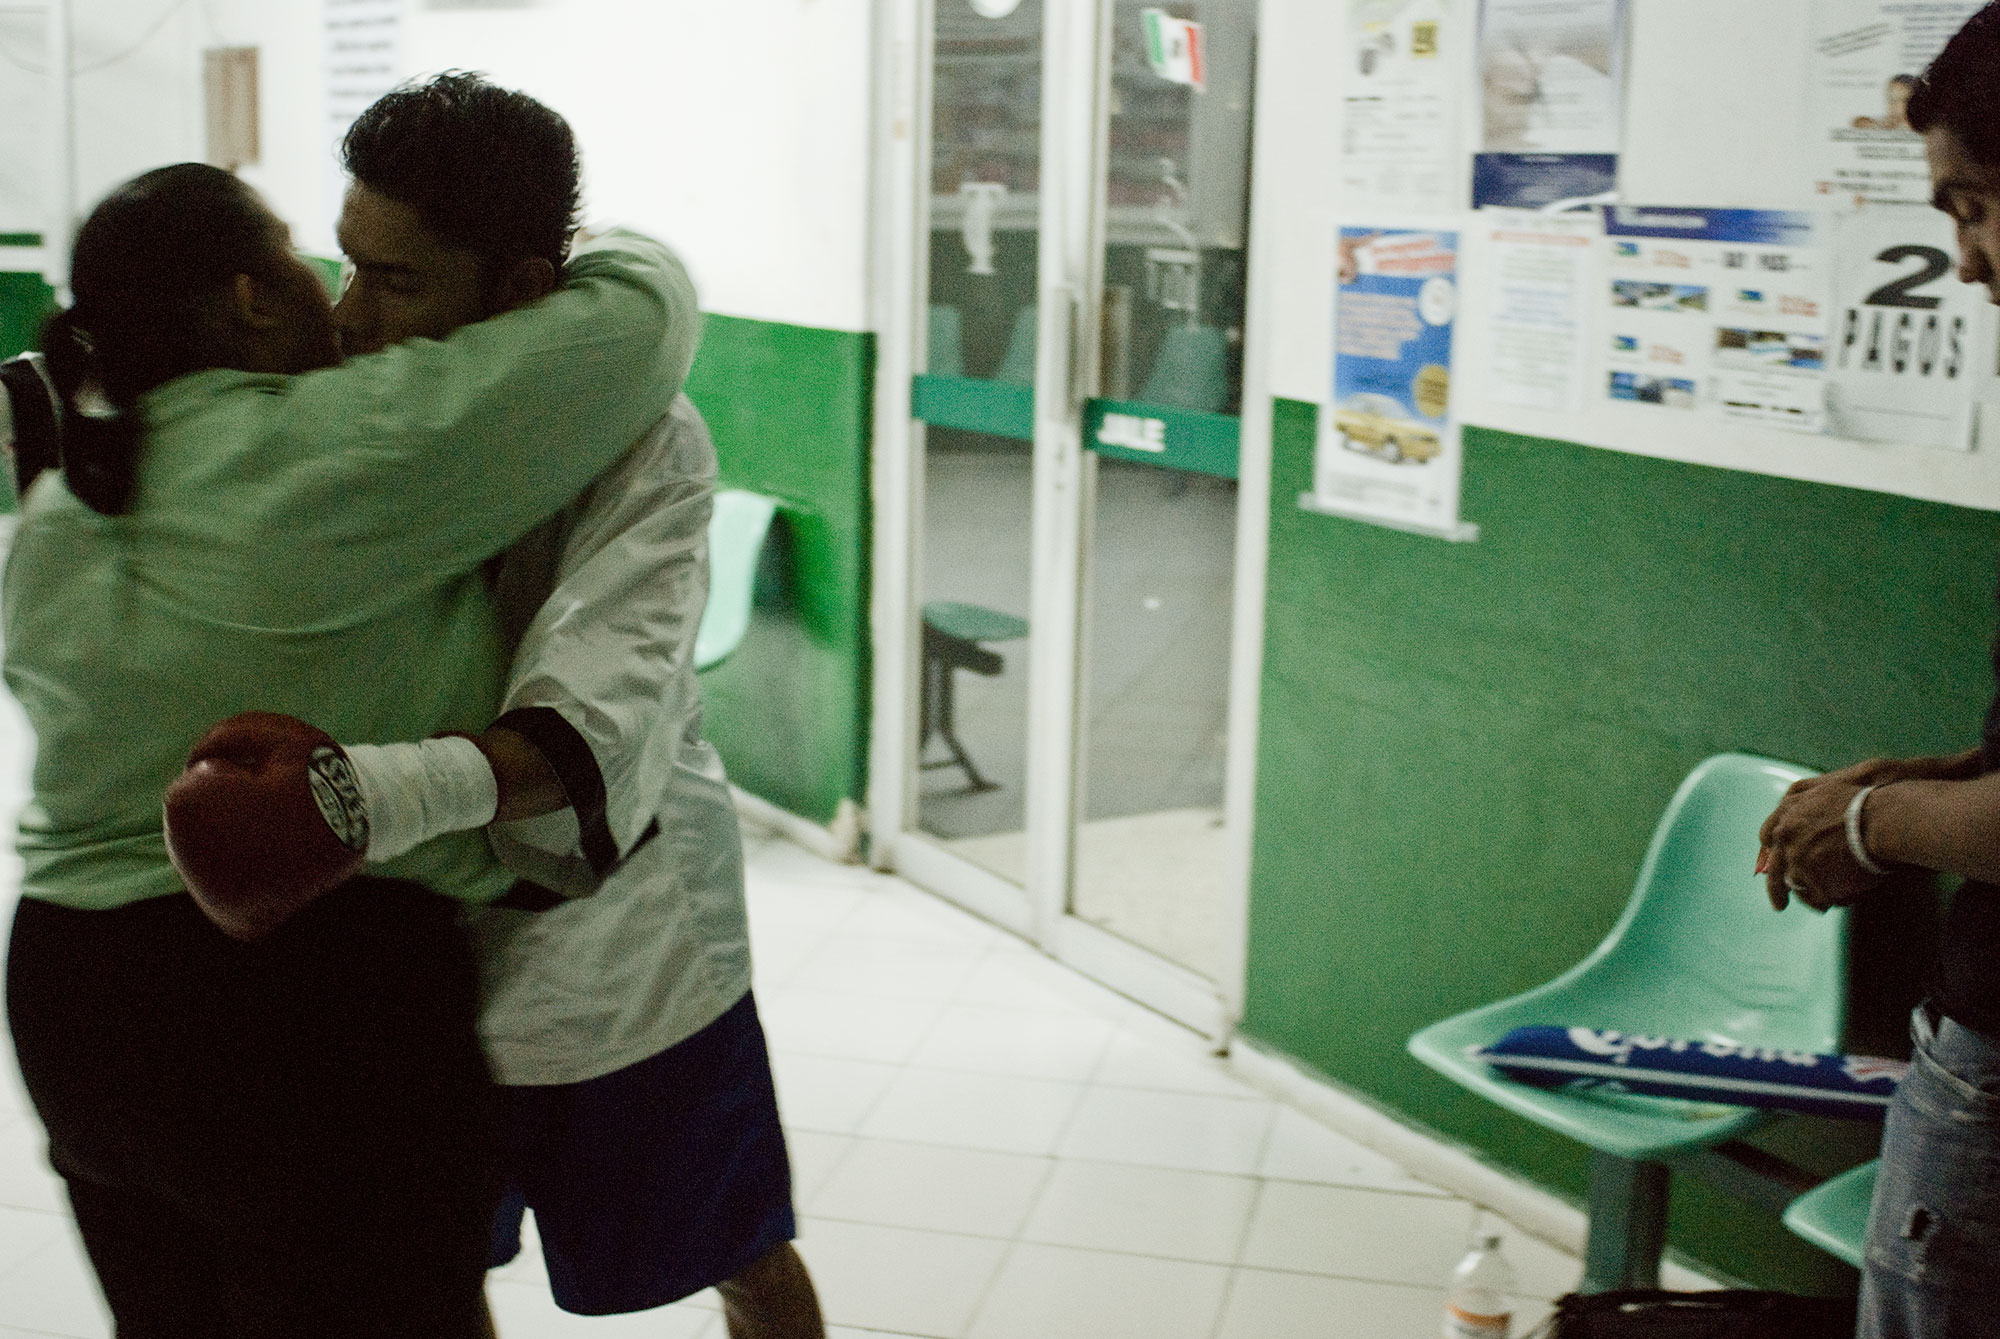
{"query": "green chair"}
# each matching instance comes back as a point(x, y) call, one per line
point(1834, 1217)
point(953, 634)
point(1191, 370)
point(736, 534)
point(1017, 365)
point(1698, 953)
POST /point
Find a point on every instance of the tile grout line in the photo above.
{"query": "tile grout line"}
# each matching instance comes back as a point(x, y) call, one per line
point(1429, 1196)
point(1225, 1265)
point(986, 1294)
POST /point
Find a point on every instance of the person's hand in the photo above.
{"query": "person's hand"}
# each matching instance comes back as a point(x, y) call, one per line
point(1804, 851)
point(1882, 771)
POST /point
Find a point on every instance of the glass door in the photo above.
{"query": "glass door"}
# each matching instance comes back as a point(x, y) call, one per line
point(1150, 843)
point(975, 398)
point(1073, 398)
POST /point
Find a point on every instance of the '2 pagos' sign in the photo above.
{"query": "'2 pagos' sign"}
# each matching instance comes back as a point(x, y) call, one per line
point(1910, 342)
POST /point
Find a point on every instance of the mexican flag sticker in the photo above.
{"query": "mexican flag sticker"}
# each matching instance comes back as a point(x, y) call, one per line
point(1173, 46)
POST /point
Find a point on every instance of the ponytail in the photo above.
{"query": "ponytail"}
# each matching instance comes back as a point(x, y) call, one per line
point(99, 437)
point(146, 264)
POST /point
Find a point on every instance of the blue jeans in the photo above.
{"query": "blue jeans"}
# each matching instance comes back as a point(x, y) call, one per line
point(1933, 1263)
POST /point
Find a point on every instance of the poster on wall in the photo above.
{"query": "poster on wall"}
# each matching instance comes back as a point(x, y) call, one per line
point(1907, 334)
point(1865, 58)
point(1539, 282)
point(364, 60)
point(1550, 75)
point(1400, 113)
point(1720, 311)
point(1388, 446)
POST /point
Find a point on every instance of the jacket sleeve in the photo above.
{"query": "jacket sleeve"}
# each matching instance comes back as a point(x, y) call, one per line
point(444, 452)
point(603, 679)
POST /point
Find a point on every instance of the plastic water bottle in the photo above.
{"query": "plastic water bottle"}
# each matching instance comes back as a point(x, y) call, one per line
point(1478, 1307)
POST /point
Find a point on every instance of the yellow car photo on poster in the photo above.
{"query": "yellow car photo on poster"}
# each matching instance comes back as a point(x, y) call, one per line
point(1376, 425)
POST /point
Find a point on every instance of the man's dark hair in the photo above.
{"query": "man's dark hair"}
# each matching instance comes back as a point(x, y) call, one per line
point(1960, 92)
point(487, 169)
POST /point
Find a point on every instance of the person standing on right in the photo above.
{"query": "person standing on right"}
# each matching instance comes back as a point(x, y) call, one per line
point(1932, 1269)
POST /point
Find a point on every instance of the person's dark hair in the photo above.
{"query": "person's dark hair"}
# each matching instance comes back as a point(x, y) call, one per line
point(144, 268)
point(1960, 91)
point(487, 169)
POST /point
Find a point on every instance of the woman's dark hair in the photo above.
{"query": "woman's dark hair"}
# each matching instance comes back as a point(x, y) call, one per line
point(145, 265)
point(1961, 90)
point(488, 170)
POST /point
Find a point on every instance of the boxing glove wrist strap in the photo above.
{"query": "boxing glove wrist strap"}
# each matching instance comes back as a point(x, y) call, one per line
point(414, 792)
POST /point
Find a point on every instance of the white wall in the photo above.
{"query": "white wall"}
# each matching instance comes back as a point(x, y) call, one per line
point(736, 129)
point(137, 96)
point(1715, 110)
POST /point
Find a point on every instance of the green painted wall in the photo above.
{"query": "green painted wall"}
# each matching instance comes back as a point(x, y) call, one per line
point(24, 302)
point(790, 411)
point(1464, 747)
point(789, 408)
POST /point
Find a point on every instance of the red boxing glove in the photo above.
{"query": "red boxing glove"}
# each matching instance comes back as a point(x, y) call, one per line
point(266, 818)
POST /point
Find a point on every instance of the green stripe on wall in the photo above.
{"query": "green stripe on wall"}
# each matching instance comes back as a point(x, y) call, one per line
point(25, 301)
point(790, 411)
point(1464, 747)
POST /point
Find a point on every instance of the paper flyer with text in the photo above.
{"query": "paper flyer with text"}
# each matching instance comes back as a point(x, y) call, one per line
point(1908, 337)
point(1865, 58)
point(1388, 445)
point(1718, 310)
point(1400, 111)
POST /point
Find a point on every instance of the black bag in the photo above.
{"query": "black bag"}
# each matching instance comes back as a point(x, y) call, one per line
point(1644, 1313)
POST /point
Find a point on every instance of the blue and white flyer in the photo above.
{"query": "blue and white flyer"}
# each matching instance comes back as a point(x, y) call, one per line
point(1722, 311)
point(1388, 444)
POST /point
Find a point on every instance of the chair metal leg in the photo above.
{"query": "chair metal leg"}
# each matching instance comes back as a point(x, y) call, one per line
point(1628, 1223)
point(927, 697)
point(948, 727)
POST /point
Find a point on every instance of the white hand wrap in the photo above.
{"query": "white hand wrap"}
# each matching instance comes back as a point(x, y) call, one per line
point(415, 792)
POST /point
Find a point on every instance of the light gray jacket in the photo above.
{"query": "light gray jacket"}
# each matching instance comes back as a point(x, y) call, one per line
point(604, 601)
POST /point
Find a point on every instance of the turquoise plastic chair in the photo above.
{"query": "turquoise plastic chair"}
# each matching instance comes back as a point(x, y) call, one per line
point(1698, 953)
point(1017, 365)
point(945, 356)
point(1834, 1215)
point(736, 534)
point(1191, 370)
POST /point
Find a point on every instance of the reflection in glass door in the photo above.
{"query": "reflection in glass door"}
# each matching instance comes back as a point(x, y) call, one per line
point(975, 396)
point(1150, 852)
point(1083, 178)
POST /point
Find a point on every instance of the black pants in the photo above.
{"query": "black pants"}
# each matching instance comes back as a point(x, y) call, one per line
point(293, 1139)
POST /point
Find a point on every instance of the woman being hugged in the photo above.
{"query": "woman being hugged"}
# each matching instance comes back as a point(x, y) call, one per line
point(292, 1137)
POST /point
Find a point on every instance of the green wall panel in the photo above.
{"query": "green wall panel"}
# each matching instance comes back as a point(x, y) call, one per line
point(1464, 747)
point(24, 303)
point(790, 411)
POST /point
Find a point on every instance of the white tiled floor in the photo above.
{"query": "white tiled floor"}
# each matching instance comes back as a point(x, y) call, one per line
point(987, 1146)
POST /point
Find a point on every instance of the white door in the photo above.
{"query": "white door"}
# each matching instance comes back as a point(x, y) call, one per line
point(1065, 190)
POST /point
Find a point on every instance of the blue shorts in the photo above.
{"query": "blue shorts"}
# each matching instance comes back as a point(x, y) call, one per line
point(656, 1180)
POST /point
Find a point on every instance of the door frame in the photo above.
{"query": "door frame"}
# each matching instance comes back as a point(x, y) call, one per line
point(1076, 74)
